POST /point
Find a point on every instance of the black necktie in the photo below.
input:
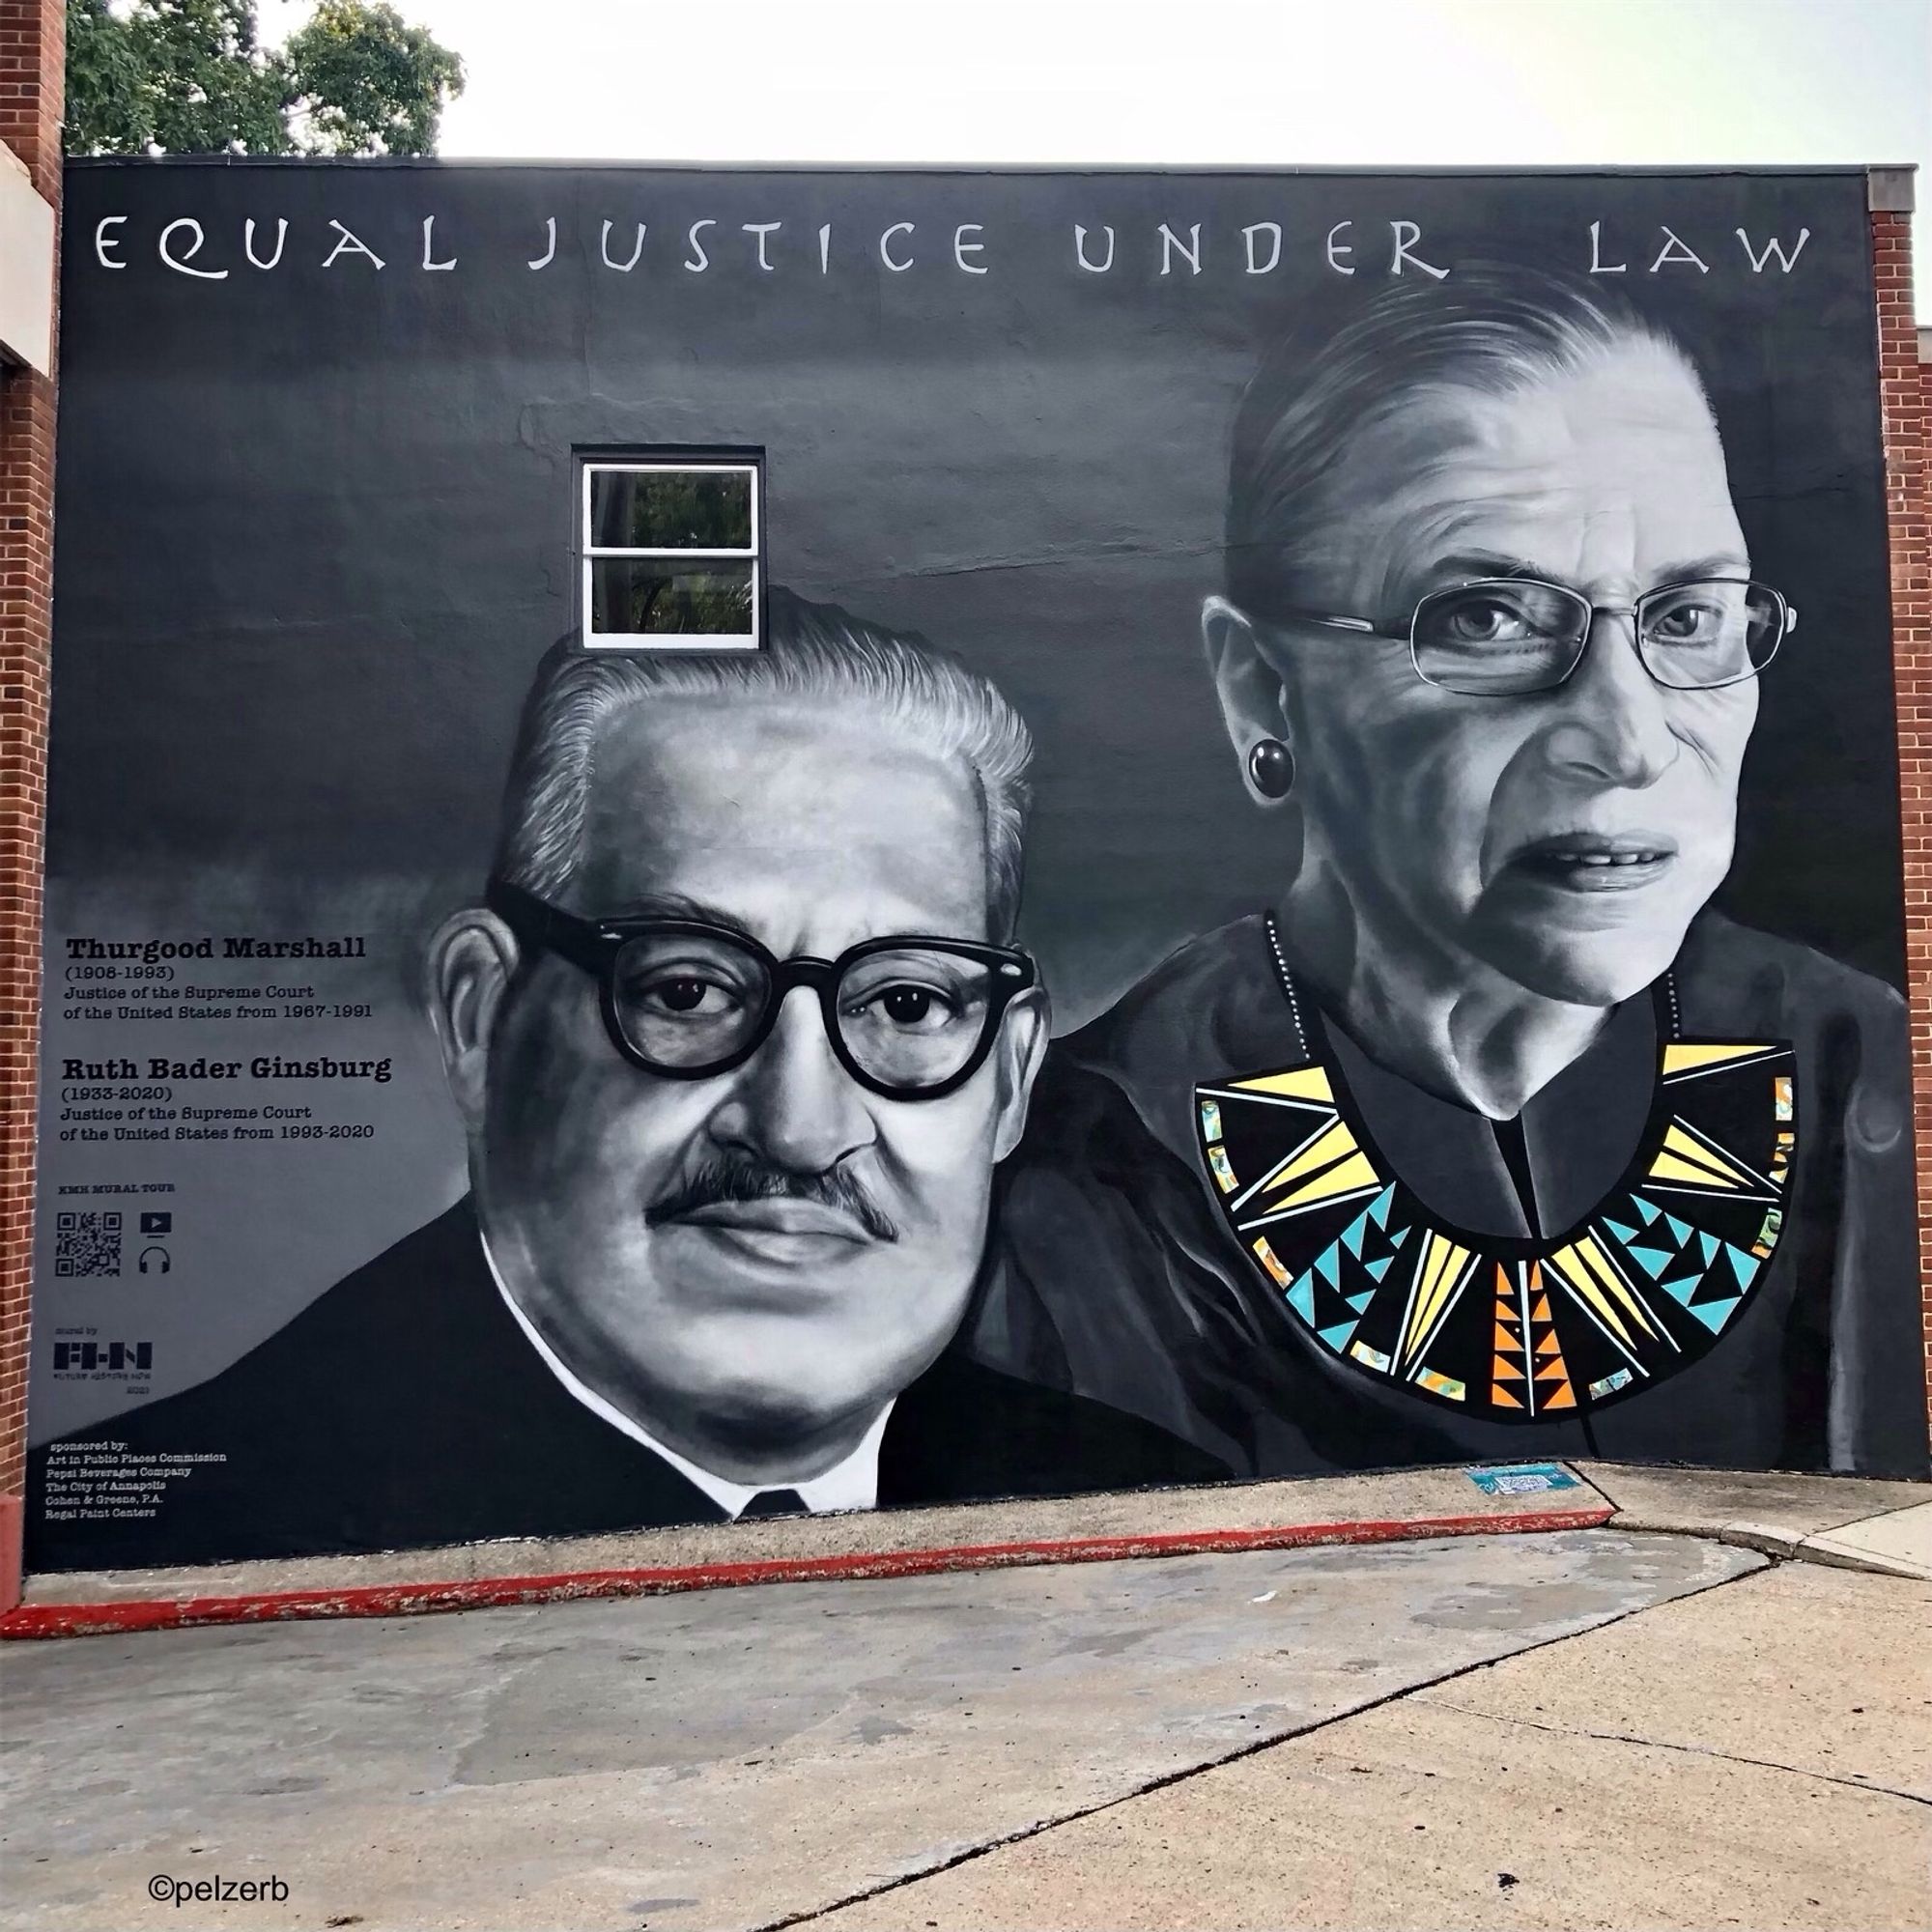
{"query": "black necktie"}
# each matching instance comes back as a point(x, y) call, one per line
point(774, 1502)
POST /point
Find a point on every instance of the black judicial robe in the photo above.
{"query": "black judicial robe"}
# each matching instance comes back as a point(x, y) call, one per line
point(1696, 1245)
point(404, 1408)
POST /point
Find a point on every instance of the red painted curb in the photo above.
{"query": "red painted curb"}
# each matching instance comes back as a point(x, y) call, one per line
point(12, 1518)
point(403, 1600)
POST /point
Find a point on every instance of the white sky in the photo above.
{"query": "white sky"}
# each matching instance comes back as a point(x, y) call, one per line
point(1395, 82)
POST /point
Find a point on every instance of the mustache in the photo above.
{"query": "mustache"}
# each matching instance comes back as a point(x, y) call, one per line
point(720, 1179)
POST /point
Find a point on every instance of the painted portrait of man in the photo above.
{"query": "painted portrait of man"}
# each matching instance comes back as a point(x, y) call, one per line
point(738, 1036)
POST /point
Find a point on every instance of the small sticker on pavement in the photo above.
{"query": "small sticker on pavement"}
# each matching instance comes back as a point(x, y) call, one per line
point(1521, 1479)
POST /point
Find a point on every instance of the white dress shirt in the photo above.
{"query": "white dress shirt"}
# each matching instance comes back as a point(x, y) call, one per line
point(852, 1484)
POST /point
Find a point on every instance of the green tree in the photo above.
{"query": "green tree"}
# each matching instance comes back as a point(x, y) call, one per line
point(367, 83)
point(191, 77)
point(104, 82)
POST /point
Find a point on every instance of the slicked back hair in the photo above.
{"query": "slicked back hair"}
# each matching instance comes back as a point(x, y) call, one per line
point(814, 654)
point(1494, 330)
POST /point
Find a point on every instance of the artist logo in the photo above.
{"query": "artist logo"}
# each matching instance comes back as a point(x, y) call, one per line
point(109, 1359)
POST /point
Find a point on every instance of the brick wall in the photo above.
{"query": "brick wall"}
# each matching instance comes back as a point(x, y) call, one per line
point(32, 84)
point(1905, 386)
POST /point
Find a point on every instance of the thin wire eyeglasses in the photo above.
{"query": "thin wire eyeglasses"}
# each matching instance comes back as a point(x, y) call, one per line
point(1506, 636)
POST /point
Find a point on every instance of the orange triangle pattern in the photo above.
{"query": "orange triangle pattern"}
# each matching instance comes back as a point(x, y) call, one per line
point(1509, 1364)
point(1512, 1383)
point(1552, 1379)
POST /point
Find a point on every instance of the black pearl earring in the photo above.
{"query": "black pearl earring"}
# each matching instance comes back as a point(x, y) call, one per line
point(1271, 768)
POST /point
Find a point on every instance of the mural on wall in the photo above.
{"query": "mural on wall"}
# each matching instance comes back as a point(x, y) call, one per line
point(1452, 1007)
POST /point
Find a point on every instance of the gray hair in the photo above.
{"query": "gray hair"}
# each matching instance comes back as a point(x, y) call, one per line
point(815, 653)
point(1493, 329)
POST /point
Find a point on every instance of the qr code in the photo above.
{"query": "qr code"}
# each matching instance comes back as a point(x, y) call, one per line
point(87, 1243)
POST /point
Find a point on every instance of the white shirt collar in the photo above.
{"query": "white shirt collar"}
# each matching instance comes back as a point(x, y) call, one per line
point(850, 1485)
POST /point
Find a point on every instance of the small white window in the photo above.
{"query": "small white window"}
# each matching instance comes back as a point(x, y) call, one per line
point(672, 554)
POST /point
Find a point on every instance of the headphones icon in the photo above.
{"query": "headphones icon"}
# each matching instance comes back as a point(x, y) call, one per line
point(166, 1262)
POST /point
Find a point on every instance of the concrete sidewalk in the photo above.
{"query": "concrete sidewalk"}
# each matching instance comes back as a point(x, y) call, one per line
point(733, 1758)
point(1580, 1728)
point(1621, 1727)
point(1760, 1755)
point(1424, 1501)
point(1855, 1522)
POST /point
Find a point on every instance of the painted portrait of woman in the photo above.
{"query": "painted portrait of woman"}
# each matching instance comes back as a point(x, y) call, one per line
point(1490, 1136)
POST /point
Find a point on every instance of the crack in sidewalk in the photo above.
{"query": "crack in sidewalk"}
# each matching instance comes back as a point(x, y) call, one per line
point(1042, 1826)
point(1594, 1481)
point(1781, 1546)
point(1853, 1783)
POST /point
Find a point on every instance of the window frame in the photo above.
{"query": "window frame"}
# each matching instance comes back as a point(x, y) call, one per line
point(680, 462)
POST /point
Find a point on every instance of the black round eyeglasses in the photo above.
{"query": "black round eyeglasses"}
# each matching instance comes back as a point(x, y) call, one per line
point(909, 1017)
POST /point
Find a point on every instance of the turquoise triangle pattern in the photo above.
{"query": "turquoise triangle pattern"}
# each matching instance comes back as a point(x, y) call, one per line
point(1683, 1290)
point(1625, 1234)
point(1654, 1260)
point(1680, 1230)
point(1647, 1210)
point(1743, 1265)
point(1379, 1269)
point(1378, 1207)
point(1711, 1246)
point(1353, 1234)
point(1301, 1298)
point(1715, 1314)
point(1359, 1302)
point(1328, 1265)
point(1337, 1336)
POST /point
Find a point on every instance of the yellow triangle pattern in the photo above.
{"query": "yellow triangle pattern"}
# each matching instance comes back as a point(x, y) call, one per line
point(1343, 1178)
point(1667, 1167)
point(1583, 1267)
point(1329, 1146)
point(1690, 1163)
point(1304, 1083)
point(1438, 1276)
point(1680, 1059)
point(1616, 1284)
